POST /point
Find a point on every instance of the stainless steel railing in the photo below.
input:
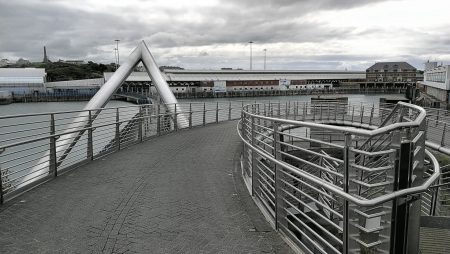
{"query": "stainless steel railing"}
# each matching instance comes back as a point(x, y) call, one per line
point(330, 176)
point(33, 146)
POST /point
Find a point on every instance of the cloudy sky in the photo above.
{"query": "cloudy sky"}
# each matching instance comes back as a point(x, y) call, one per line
point(210, 34)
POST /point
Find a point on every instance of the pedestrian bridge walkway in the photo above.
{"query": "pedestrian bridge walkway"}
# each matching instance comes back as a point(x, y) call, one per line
point(180, 193)
point(328, 177)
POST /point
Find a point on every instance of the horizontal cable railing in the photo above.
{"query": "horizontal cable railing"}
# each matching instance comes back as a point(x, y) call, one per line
point(328, 174)
point(37, 147)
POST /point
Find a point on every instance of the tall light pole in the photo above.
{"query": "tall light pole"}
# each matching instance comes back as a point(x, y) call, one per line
point(265, 56)
point(115, 57)
point(251, 57)
point(118, 57)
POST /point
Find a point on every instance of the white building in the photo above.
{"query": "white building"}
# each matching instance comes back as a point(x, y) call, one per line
point(437, 82)
point(22, 80)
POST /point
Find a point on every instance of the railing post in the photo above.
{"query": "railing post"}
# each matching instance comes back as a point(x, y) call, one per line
point(279, 108)
point(287, 109)
point(443, 134)
point(141, 123)
point(371, 114)
point(277, 175)
point(53, 160)
point(1, 181)
point(217, 112)
point(405, 210)
point(252, 141)
point(90, 147)
point(117, 129)
point(433, 202)
point(175, 119)
point(345, 222)
point(158, 120)
point(229, 111)
point(190, 115)
point(295, 110)
point(204, 113)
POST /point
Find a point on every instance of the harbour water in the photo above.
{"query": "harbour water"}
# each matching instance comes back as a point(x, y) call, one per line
point(40, 107)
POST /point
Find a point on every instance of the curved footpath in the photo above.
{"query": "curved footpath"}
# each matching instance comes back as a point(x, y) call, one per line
point(179, 193)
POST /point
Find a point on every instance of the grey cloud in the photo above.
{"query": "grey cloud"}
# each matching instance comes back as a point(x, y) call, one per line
point(27, 25)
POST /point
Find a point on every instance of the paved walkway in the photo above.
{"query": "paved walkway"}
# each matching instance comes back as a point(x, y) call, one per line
point(180, 193)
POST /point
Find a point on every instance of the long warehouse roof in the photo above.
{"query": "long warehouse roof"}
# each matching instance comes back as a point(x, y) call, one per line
point(211, 75)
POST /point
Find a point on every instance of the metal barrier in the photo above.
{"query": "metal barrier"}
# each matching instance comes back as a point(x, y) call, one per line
point(33, 150)
point(327, 175)
point(337, 178)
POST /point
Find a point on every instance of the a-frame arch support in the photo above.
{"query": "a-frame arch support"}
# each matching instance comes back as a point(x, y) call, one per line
point(140, 53)
point(68, 141)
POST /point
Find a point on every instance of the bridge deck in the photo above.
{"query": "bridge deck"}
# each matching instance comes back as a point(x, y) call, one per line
point(180, 193)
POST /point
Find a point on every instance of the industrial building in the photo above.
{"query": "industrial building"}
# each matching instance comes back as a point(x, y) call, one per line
point(194, 81)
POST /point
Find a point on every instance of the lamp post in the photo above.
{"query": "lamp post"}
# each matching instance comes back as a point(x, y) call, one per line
point(118, 57)
point(265, 56)
point(251, 57)
point(115, 57)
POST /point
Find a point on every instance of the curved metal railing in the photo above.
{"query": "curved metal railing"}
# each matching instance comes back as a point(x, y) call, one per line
point(32, 146)
point(331, 176)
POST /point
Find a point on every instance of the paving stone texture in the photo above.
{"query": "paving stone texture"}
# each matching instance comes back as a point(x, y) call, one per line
point(178, 193)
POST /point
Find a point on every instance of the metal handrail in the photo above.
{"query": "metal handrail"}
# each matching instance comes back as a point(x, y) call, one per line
point(415, 123)
point(343, 194)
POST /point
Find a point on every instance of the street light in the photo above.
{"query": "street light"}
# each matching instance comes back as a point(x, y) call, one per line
point(117, 47)
point(115, 57)
point(251, 64)
point(265, 56)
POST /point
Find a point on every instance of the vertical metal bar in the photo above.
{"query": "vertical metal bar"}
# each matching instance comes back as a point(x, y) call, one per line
point(443, 134)
point(279, 108)
point(287, 109)
point(1, 181)
point(90, 146)
point(353, 112)
point(295, 110)
point(320, 110)
point(345, 225)
point(433, 202)
point(190, 115)
point(362, 113)
point(53, 160)
point(217, 112)
point(117, 129)
point(328, 108)
point(277, 155)
point(141, 123)
point(254, 180)
point(204, 113)
point(229, 111)
point(371, 114)
point(158, 120)
point(175, 121)
point(305, 110)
